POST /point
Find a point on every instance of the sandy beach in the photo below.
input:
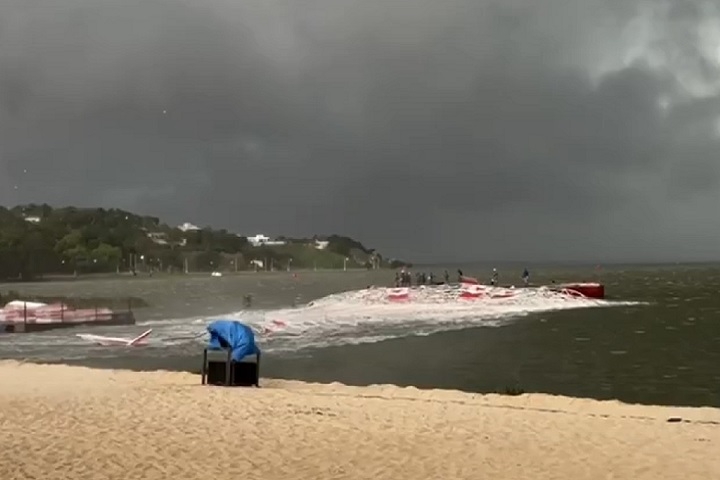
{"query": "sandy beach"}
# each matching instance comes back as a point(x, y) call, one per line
point(61, 422)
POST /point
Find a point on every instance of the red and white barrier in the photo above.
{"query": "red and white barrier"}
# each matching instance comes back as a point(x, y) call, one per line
point(34, 312)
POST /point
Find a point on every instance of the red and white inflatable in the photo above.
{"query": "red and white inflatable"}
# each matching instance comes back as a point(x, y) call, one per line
point(587, 290)
point(399, 294)
point(503, 293)
point(472, 291)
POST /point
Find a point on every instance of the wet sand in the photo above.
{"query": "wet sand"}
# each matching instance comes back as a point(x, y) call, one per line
point(62, 422)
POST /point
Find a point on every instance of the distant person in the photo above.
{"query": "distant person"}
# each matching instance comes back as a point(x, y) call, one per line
point(494, 278)
point(405, 278)
point(460, 275)
point(247, 301)
point(446, 276)
point(526, 276)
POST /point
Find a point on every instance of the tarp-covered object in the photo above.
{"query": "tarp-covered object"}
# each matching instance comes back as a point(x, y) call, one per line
point(231, 334)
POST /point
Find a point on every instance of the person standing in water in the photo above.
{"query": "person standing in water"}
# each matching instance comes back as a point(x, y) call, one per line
point(494, 278)
point(526, 277)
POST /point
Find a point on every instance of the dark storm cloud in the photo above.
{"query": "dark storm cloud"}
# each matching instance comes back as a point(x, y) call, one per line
point(555, 129)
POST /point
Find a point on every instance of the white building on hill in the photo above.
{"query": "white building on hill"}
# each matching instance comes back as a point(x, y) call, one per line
point(188, 227)
point(260, 239)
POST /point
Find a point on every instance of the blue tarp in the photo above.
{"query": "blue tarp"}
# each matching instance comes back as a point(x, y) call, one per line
point(234, 335)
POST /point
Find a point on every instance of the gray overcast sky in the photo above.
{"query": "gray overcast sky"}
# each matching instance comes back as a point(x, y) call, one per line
point(432, 130)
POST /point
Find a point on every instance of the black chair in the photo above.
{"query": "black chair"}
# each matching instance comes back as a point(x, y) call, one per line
point(219, 368)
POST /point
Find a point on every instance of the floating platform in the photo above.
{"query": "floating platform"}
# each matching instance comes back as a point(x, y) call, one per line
point(113, 319)
point(470, 291)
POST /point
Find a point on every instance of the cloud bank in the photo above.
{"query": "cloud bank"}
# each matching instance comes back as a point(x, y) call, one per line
point(563, 130)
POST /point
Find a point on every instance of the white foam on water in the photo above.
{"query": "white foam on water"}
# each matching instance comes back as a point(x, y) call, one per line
point(361, 316)
point(366, 316)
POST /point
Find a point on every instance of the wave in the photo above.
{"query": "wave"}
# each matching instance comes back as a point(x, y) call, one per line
point(353, 317)
point(375, 314)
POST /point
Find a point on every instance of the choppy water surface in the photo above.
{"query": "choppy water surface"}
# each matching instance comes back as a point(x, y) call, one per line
point(656, 339)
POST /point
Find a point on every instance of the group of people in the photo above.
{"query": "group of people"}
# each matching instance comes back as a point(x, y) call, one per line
point(403, 278)
point(494, 278)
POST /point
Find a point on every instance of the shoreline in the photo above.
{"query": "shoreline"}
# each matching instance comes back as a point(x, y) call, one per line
point(510, 391)
point(275, 370)
point(78, 422)
point(167, 377)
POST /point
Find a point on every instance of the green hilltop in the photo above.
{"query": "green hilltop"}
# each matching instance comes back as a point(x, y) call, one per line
point(37, 240)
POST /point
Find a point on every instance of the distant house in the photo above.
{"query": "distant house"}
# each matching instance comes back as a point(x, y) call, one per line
point(321, 244)
point(188, 227)
point(259, 240)
point(32, 219)
point(159, 238)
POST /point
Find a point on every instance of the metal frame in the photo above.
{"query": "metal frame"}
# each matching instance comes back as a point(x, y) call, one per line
point(229, 368)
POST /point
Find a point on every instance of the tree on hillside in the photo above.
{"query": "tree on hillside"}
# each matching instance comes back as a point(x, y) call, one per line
point(345, 245)
point(71, 239)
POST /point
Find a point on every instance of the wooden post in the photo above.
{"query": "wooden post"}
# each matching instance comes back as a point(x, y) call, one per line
point(257, 380)
point(204, 368)
point(228, 367)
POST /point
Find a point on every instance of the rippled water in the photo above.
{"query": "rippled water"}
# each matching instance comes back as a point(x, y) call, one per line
point(656, 339)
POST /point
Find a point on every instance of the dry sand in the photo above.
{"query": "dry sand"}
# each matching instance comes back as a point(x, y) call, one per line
point(60, 422)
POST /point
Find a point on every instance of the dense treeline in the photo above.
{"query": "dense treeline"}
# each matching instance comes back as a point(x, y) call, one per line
point(39, 239)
